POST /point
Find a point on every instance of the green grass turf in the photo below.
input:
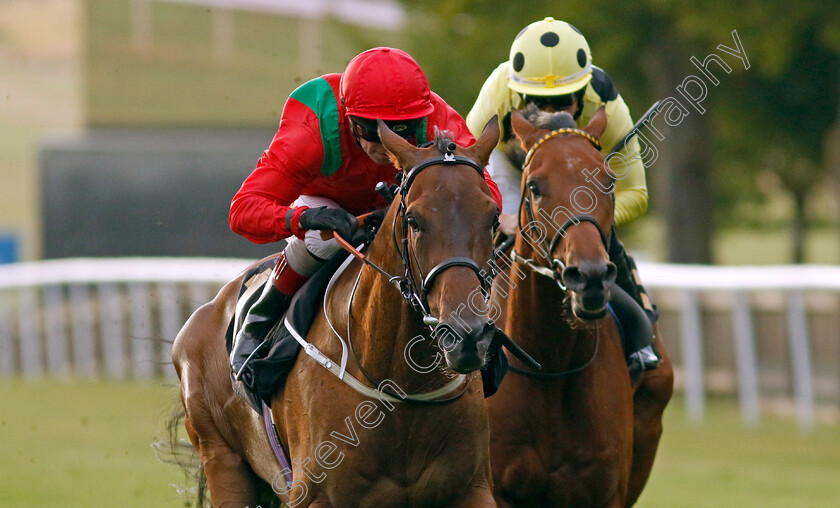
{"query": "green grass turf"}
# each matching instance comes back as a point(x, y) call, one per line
point(76, 444)
point(724, 464)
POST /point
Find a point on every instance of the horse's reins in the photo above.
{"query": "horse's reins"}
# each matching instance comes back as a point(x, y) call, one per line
point(415, 293)
point(425, 399)
point(555, 270)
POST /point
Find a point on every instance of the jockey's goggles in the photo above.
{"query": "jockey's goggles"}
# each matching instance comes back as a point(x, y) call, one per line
point(555, 102)
point(368, 130)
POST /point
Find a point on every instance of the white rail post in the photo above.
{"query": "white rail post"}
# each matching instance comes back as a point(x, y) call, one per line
point(81, 322)
point(29, 326)
point(199, 295)
point(800, 360)
point(7, 351)
point(110, 318)
point(170, 323)
point(141, 336)
point(745, 359)
point(692, 357)
point(55, 320)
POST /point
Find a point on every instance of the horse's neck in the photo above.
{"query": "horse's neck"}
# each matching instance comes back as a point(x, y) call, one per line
point(537, 317)
point(383, 325)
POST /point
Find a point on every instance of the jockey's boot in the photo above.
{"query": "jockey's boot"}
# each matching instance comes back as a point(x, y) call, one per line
point(638, 332)
point(262, 316)
point(634, 311)
point(642, 360)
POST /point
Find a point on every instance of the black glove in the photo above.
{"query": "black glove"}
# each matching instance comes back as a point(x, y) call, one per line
point(336, 219)
point(374, 219)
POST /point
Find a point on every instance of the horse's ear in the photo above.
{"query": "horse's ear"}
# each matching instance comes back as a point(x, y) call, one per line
point(598, 124)
point(480, 150)
point(394, 143)
point(527, 133)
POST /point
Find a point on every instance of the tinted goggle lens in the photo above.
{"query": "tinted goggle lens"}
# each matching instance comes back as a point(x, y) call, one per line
point(556, 102)
point(367, 129)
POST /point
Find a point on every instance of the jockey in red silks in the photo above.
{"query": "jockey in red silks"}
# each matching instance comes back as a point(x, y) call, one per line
point(321, 169)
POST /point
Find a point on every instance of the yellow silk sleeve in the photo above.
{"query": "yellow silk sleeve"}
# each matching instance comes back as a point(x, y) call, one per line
point(631, 196)
point(493, 99)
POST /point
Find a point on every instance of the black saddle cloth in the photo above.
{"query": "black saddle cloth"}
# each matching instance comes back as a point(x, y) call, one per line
point(276, 356)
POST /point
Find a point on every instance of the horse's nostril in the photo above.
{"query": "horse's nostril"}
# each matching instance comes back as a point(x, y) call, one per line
point(589, 276)
point(573, 277)
point(609, 277)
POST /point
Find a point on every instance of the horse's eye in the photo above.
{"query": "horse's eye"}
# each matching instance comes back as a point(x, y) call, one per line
point(534, 188)
point(412, 223)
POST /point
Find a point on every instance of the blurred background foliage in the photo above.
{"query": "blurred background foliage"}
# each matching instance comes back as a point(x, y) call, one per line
point(768, 140)
point(751, 181)
point(174, 75)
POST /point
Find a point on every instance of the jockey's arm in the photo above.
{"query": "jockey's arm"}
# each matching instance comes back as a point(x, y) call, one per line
point(260, 211)
point(631, 196)
point(508, 178)
point(493, 99)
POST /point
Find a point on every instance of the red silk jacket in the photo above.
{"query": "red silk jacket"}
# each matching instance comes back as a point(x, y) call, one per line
point(314, 153)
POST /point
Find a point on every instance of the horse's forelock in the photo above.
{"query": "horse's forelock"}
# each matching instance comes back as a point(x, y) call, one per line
point(547, 119)
point(443, 138)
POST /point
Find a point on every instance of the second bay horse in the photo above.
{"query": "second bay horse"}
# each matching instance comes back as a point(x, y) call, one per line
point(576, 433)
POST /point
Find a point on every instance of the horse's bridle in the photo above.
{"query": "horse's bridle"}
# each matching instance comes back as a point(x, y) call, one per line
point(555, 269)
point(556, 266)
point(416, 294)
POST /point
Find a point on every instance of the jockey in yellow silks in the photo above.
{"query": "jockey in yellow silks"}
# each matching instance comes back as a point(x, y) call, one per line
point(550, 66)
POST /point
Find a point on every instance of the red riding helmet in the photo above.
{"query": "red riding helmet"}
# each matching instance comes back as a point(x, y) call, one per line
point(385, 83)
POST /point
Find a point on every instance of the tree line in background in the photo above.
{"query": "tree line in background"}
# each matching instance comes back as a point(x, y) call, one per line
point(775, 111)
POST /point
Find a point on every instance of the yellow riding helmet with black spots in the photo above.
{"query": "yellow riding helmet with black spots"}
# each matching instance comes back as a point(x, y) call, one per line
point(549, 57)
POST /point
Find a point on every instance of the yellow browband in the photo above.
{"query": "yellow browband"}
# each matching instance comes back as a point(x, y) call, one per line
point(567, 130)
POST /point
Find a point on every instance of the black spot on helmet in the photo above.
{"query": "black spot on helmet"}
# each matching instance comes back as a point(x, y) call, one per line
point(518, 62)
point(549, 39)
point(581, 57)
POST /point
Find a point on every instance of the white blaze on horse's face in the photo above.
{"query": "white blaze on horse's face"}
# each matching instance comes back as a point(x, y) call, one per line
point(450, 216)
point(569, 201)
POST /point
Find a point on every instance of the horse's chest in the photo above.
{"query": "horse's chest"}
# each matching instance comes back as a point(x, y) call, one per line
point(376, 456)
point(586, 476)
point(372, 482)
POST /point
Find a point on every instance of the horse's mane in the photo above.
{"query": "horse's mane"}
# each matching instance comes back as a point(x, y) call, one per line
point(548, 120)
point(442, 141)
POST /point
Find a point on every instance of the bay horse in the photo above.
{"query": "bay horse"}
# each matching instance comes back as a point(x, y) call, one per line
point(399, 428)
point(576, 433)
